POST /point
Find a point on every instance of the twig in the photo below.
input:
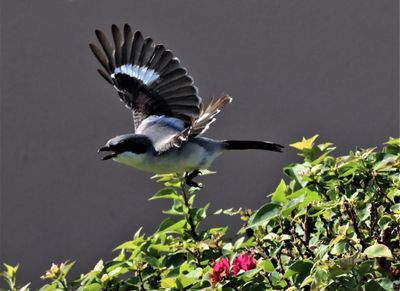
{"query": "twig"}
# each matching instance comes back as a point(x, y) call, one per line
point(141, 280)
point(269, 281)
point(189, 217)
point(308, 225)
point(385, 239)
point(352, 216)
point(309, 251)
point(326, 225)
point(385, 195)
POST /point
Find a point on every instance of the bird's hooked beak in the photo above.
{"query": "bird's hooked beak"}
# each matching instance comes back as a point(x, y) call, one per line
point(107, 149)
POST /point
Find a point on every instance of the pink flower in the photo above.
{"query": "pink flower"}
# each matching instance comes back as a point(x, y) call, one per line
point(220, 270)
point(243, 262)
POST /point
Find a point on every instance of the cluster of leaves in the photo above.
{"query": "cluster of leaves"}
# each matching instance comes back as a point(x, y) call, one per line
point(334, 224)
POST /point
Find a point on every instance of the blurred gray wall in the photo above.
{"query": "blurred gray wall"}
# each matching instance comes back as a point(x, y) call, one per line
point(294, 68)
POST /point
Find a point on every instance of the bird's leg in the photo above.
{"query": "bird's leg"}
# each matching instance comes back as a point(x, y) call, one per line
point(189, 178)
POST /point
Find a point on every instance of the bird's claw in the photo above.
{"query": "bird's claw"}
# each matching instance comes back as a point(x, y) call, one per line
point(189, 179)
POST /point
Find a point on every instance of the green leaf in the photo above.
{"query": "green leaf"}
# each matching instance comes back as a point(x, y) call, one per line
point(393, 141)
point(184, 281)
point(199, 214)
point(68, 267)
point(248, 275)
point(137, 233)
point(381, 284)
point(363, 211)
point(227, 249)
point(93, 287)
point(10, 270)
point(238, 243)
point(304, 144)
point(280, 193)
point(386, 162)
point(168, 282)
point(298, 271)
point(385, 283)
point(296, 172)
point(172, 226)
point(264, 214)
point(395, 208)
point(49, 287)
point(161, 247)
point(166, 193)
point(268, 266)
point(300, 199)
point(350, 168)
point(377, 251)
point(385, 221)
point(176, 209)
point(129, 245)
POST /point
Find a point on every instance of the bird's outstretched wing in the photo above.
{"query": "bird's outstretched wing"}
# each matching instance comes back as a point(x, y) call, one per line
point(207, 115)
point(168, 132)
point(148, 78)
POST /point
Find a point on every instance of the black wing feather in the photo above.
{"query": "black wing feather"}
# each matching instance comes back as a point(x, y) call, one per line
point(117, 44)
point(149, 79)
point(127, 45)
point(137, 44)
point(107, 49)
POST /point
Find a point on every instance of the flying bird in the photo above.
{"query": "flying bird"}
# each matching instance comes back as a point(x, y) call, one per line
point(168, 114)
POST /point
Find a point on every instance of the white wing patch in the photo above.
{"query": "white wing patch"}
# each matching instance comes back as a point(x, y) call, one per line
point(141, 73)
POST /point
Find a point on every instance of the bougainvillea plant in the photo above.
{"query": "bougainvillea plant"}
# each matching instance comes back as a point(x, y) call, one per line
point(332, 224)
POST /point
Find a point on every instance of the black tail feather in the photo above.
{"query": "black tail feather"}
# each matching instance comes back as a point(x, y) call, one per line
point(252, 145)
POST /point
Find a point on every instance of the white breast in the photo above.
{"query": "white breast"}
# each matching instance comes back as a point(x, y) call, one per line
point(189, 157)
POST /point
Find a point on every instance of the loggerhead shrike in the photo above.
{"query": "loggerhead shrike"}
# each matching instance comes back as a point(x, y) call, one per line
point(169, 116)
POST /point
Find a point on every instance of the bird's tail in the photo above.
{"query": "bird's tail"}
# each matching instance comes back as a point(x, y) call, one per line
point(252, 145)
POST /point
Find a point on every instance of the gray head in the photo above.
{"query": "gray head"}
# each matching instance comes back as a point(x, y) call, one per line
point(135, 143)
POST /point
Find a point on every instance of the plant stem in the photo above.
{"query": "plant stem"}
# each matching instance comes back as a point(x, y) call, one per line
point(189, 217)
point(385, 239)
point(352, 216)
point(309, 251)
point(308, 225)
point(141, 280)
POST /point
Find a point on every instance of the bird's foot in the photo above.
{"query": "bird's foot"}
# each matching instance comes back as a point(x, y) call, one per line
point(189, 179)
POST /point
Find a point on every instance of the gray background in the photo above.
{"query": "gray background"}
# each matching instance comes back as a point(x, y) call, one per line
point(294, 68)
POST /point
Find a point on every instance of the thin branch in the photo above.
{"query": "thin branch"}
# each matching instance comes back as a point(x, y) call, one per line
point(385, 239)
point(189, 217)
point(353, 218)
point(308, 225)
point(309, 251)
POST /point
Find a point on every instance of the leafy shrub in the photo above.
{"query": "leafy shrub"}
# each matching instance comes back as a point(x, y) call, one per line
point(332, 225)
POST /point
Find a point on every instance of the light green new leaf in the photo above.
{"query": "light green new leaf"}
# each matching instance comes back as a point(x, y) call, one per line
point(49, 287)
point(280, 193)
point(268, 266)
point(93, 287)
point(304, 144)
point(168, 283)
point(129, 245)
point(393, 141)
point(377, 251)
